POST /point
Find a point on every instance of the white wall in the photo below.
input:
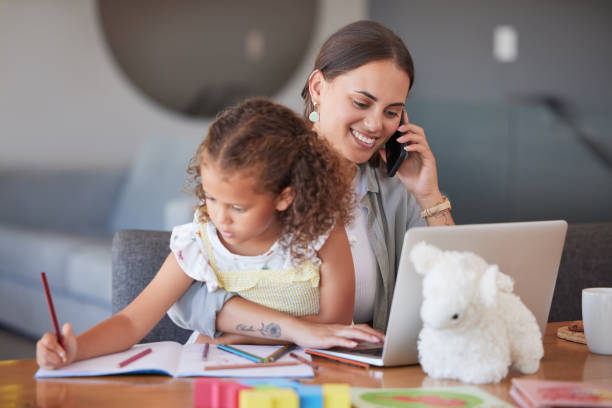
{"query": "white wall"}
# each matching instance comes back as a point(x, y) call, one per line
point(63, 102)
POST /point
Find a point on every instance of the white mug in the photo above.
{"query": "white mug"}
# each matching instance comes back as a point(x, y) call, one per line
point(597, 319)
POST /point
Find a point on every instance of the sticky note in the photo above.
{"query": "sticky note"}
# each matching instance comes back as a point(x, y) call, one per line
point(336, 395)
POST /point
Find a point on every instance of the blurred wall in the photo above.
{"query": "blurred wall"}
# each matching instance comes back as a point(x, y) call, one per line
point(528, 139)
point(64, 103)
point(563, 48)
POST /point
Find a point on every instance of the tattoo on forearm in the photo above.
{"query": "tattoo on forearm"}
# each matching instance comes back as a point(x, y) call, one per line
point(266, 330)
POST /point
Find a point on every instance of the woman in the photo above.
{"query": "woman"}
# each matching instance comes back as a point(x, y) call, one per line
point(355, 97)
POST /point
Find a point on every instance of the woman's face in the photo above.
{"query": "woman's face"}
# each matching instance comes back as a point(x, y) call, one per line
point(360, 109)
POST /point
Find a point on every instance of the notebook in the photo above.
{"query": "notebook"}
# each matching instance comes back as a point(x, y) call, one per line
point(530, 252)
point(177, 360)
point(530, 393)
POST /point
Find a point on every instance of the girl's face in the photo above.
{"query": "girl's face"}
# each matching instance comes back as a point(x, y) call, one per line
point(245, 219)
point(360, 109)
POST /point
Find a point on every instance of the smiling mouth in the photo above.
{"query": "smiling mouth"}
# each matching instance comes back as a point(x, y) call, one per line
point(227, 234)
point(369, 142)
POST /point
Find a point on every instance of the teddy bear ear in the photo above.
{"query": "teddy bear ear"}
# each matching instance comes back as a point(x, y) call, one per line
point(504, 282)
point(423, 256)
point(488, 286)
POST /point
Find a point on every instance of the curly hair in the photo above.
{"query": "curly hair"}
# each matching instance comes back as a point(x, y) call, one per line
point(281, 150)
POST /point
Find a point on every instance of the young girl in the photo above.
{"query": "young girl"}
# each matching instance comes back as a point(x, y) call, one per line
point(270, 227)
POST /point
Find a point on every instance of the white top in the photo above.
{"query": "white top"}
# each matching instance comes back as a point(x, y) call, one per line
point(364, 259)
point(191, 253)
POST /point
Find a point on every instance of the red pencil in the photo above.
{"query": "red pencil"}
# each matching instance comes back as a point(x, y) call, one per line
point(58, 333)
point(135, 357)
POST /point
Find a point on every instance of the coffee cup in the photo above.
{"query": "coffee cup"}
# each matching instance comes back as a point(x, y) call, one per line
point(597, 319)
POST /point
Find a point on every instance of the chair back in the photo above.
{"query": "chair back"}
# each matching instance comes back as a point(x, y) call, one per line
point(137, 256)
point(586, 262)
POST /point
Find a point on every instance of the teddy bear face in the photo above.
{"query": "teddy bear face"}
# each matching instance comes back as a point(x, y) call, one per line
point(451, 291)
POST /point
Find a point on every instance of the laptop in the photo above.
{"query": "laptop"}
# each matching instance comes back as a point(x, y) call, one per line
point(530, 252)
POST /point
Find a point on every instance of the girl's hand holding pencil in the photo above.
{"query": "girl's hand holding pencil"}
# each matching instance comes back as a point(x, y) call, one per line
point(51, 355)
point(58, 349)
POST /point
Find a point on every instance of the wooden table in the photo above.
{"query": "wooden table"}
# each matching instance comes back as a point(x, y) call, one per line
point(563, 360)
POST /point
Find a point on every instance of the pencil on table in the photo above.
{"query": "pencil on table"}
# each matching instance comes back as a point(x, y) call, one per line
point(279, 353)
point(304, 360)
point(205, 351)
point(240, 353)
point(339, 359)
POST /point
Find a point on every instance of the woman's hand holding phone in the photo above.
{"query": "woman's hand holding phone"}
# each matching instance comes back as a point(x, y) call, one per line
point(418, 170)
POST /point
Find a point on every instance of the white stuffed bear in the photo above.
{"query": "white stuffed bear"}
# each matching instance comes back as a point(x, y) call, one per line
point(474, 327)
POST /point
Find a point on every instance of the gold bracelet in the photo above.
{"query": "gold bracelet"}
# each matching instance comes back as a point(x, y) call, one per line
point(443, 205)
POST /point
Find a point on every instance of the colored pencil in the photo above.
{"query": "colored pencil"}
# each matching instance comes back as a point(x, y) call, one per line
point(305, 361)
point(252, 365)
point(340, 359)
point(205, 351)
point(280, 352)
point(135, 357)
point(240, 353)
point(58, 333)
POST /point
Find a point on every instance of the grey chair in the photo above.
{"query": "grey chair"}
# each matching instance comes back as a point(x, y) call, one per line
point(586, 262)
point(137, 256)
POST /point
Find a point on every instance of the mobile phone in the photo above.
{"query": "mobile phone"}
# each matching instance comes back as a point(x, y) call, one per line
point(395, 151)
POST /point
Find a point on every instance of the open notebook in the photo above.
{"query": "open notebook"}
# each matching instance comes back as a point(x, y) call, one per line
point(177, 360)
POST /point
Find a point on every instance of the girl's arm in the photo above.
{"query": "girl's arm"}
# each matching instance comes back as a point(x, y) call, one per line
point(336, 302)
point(337, 285)
point(337, 292)
point(122, 330)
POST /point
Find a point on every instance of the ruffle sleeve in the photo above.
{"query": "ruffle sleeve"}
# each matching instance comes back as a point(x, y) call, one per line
point(187, 246)
point(315, 247)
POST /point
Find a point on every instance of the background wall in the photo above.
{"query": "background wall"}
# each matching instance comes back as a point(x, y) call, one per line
point(197, 57)
point(514, 141)
point(65, 104)
point(563, 48)
point(523, 140)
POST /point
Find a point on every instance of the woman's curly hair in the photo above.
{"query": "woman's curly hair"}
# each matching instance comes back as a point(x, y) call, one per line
point(280, 149)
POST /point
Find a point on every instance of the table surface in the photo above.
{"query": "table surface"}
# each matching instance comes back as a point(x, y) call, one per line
point(563, 360)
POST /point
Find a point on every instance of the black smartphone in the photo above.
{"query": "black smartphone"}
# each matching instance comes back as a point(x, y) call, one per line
point(395, 151)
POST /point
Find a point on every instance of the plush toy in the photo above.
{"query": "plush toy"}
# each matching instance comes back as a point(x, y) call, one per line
point(474, 327)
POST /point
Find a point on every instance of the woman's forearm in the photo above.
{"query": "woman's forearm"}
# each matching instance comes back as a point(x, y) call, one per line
point(240, 316)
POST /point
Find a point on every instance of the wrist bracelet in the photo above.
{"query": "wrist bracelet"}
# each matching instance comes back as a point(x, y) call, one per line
point(443, 205)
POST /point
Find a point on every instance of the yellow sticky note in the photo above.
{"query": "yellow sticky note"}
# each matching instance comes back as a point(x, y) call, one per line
point(336, 395)
point(284, 398)
point(255, 399)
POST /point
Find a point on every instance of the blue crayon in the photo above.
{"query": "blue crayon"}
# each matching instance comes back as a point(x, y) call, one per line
point(240, 353)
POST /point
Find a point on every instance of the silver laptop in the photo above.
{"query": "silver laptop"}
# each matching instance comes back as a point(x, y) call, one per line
point(530, 252)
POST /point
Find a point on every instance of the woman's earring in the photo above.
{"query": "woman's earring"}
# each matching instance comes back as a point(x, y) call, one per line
point(314, 115)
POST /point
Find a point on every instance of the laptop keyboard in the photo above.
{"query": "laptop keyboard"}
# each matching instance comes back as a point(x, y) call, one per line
point(370, 352)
